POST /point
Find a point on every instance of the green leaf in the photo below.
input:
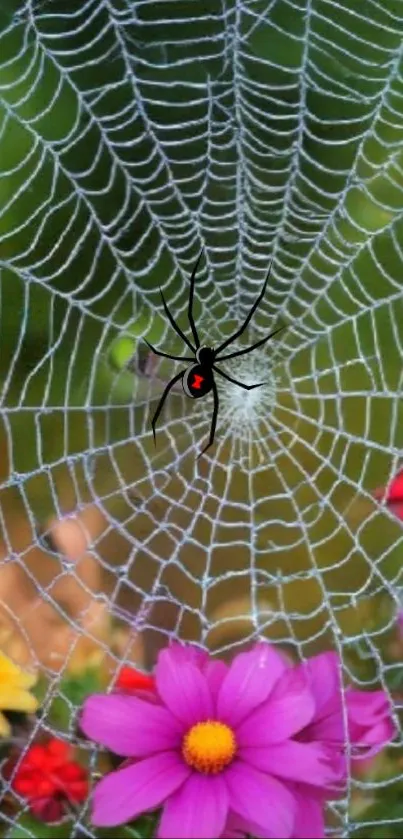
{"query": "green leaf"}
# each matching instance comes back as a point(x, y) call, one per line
point(384, 817)
point(142, 828)
point(76, 688)
point(72, 692)
point(27, 826)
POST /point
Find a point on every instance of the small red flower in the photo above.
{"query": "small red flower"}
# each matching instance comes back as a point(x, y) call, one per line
point(130, 680)
point(392, 495)
point(49, 779)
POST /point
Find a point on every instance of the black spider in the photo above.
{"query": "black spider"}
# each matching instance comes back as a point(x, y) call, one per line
point(198, 380)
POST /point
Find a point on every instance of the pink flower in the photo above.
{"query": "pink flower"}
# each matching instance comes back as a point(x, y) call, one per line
point(370, 728)
point(309, 820)
point(369, 721)
point(217, 743)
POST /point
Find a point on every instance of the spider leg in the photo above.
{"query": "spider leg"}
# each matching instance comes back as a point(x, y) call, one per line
point(162, 400)
point(165, 355)
point(190, 307)
point(213, 421)
point(249, 317)
point(254, 346)
point(235, 381)
point(175, 325)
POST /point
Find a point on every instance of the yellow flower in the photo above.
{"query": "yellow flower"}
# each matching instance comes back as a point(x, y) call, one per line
point(14, 691)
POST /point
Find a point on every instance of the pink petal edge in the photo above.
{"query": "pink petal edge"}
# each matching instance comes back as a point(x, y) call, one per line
point(198, 810)
point(248, 683)
point(261, 800)
point(127, 793)
point(183, 688)
point(129, 726)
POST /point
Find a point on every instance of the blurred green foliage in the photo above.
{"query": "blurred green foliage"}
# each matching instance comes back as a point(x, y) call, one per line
point(27, 826)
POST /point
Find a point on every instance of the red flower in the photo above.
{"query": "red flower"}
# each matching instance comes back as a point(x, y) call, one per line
point(131, 680)
point(49, 779)
point(392, 495)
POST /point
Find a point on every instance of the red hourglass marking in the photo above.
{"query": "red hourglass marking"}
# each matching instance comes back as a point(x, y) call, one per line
point(197, 382)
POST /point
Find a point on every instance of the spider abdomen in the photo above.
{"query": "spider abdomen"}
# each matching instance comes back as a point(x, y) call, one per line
point(197, 381)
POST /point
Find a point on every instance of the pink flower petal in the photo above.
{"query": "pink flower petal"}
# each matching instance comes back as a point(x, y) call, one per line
point(330, 729)
point(213, 669)
point(235, 828)
point(249, 681)
point(323, 673)
point(309, 821)
point(370, 741)
point(129, 726)
point(125, 794)
point(367, 707)
point(215, 673)
point(183, 688)
point(189, 654)
point(238, 828)
point(198, 810)
point(324, 767)
point(289, 708)
point(260, 800)
point(324, 677)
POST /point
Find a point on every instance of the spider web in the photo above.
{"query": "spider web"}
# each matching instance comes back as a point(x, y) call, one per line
point(133, 135)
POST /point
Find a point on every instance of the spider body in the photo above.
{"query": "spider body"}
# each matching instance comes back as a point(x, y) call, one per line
point(198, 380)
point(206, 356)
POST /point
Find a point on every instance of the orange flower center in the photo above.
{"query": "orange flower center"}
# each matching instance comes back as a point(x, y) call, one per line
point(209, 747)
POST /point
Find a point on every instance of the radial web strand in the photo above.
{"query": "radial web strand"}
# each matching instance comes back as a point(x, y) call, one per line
point(132, 136)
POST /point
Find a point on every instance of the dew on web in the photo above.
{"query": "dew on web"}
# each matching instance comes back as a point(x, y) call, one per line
point(127, 144)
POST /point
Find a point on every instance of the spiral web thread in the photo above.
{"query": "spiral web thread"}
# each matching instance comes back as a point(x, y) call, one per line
point(133, 134)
